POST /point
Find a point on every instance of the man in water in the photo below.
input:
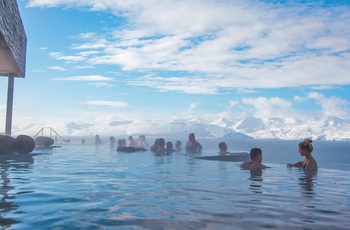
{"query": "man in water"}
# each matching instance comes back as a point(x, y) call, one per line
point(223, 149)
point(255, 160)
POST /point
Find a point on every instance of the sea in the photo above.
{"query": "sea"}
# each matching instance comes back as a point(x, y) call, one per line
point(87, 186)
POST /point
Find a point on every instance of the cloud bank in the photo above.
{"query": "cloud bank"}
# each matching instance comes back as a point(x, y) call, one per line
point(223, 44)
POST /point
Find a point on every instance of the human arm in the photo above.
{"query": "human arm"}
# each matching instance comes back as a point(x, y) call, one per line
point(199, 146)
point(245, 165)
point(299, 164)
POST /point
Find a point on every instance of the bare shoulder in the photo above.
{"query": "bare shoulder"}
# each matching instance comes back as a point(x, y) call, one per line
point(311, 165)
point(245, 165)
point(257, 166)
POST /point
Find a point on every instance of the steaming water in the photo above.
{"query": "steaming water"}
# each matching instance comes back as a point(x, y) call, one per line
point(95, 187)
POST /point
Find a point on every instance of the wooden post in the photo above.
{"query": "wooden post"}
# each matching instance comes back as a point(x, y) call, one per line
point(11, 81)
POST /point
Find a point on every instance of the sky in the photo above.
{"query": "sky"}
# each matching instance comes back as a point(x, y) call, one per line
point(97, 62)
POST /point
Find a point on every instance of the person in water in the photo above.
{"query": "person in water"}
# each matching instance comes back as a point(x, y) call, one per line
point(131, 142)
point(155, 146)
point(169, 147)
point(255, 160)
point(141, 142)
point(192, 145)
point(97, 140)
point(161, 147)
point(178, 145)
point(111, 142)
point(223, 149)
point(120, 143)
point(305, 149)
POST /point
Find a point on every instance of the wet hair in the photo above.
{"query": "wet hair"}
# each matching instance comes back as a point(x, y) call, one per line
point(169, 145)
point(161, 142)
point(254, 153)
point(178, 143)
point(306, 144)
point(221, 144)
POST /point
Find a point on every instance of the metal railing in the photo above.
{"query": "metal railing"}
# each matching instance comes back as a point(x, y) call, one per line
point(52, 133)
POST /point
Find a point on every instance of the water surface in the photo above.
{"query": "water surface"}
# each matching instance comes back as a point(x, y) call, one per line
point(95, 187)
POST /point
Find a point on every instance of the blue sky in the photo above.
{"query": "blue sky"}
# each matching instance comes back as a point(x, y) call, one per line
point(94, 62)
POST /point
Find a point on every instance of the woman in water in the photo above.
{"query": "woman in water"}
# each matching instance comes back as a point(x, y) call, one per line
point(305, 149)
point(192, 145)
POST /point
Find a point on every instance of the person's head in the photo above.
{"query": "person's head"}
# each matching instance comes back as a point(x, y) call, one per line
point(256, 155)
point(120, 142)
point(131, 138)
point(142, 137)
point(156, 141)
point(223, 146)
point(191, 137)
point(111, 138)
point(161, 142)
point(169, 145)
point(178, 144)
point(305, 147)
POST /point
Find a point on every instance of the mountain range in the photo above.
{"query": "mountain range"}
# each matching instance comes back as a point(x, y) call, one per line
point(328, 128)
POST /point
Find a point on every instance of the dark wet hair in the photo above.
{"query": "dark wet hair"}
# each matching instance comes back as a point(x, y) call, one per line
point(169, 144)
point(221, 144)
point(161, 142)
point(254, 152)
point(306, 144)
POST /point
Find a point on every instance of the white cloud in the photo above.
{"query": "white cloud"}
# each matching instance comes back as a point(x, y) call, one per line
point(188, 85)
point(331, 106)
point(269, 107)
point(277, 107)
point(60, 56)
point(84, 78)
point(113, 104)
point(102, 84)
point(59, 68)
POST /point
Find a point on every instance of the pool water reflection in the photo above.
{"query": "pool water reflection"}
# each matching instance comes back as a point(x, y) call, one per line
point(95, 187)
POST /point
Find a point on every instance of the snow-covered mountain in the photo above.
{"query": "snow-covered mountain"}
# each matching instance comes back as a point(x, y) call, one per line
point(328, 128)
